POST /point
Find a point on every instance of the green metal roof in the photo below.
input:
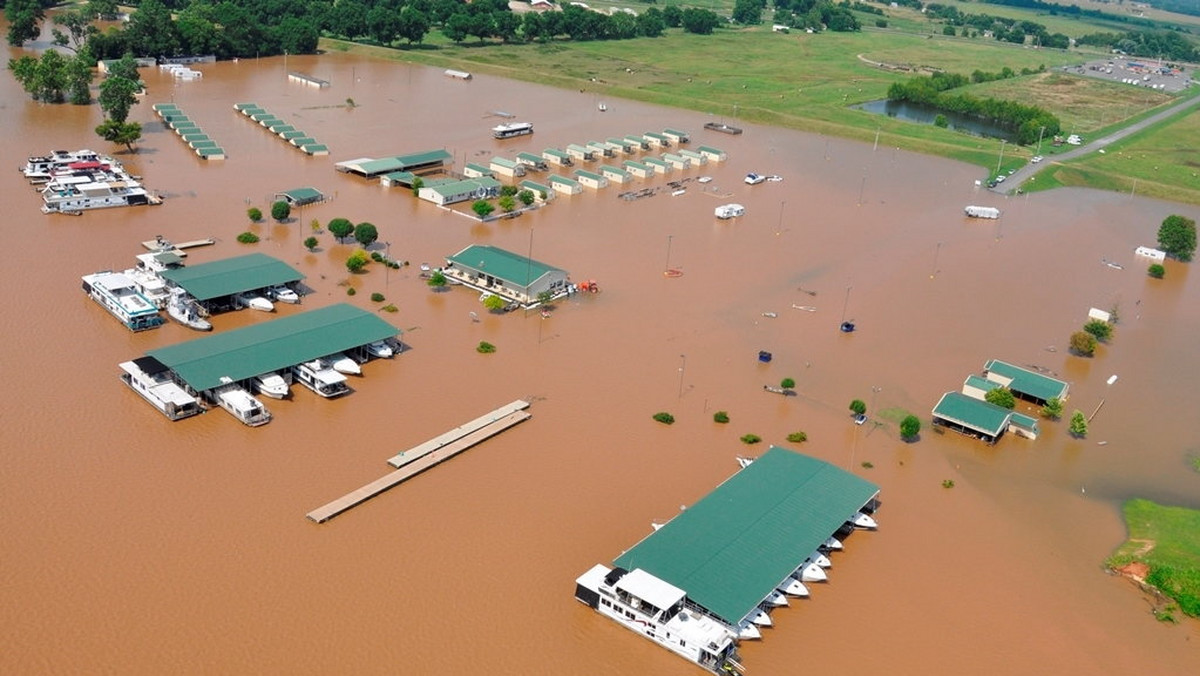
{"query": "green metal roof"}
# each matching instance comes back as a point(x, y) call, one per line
point(232, 275)
point(981, 383)
point(302, 195)
point(1026, 421)
point(243, 106)
point(292, 133)
point(162, 107)
point(711, 150)
point(535, 187)
point(605, 169)
point(486, 171)
point(504, 265)
point(1028, 382)
point(635, 165)
point(214, 153)
point(315, 148)
point(974, 413)
point(730, 549)
point(270, 346)
point(584, 173)
point(648, 161)
point(302, 141)
point(565, 180)
point(469, 185)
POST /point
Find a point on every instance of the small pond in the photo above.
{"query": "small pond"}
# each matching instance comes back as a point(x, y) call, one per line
point(915, 112)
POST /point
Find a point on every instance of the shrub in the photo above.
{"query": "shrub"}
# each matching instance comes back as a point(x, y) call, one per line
point(941, 121)
point(315, 225)
point(867, 464)
point(482, 208)
point(1079, 424)
point(357, 261)
point(437, 280)
point(247, 238)
point(311, 243)
point(1001, 396)
point(881, 23)
point(254, 214)
point(664, 418)
point(721, 417)
point(281, 210)
point(377, 297)
point(1156, 270)
point(507, 203)
point(858, 406)
point(948, 483)
point(910, 427)
point(751, 439)
point(797, 437)
point(787, 383)
point(351, 291)
point(1101, 330)
point(376, 256)
point(494, 303)
point(1053, 408)
point(526, 197)
point(485, 347)
point(389, 308)
point(1083, 343)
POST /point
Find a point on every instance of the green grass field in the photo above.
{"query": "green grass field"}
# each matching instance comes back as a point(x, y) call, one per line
point(1167, 539)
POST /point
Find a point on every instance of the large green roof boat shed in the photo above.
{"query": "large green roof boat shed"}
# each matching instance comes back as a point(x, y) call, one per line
point(241, 354)
point(731, 549)
point(981, 419)
point(511, 276)
point(431, 160)
point(1028, 385)
point(219, 279)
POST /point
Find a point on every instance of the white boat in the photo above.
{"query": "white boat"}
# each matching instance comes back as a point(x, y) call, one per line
point(746, 631)
point(744, 462)
point(704, 179)
point(380, 349)
point(754, 179)
point(151, 379)
point(58, 160)
point(774, 178)
point(819, 559)
point(283, 294)
point(119, 295)
point(242, 405)
point(68, 197)
point(254, 302)
point(661, 612)
point(832, 544)
point(793, 587)
point(811, 572)
point(860, 520)
point(318, 377)
point(760, 617)
point(272, 385)
point(728, 211)
point(502, 131)
point(776, 599)
point(656, 525)
point(602, 107)
point(343, 364)
point(187, 313)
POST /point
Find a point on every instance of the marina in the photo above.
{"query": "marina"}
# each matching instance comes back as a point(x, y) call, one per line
point(118, 294)
point(422, 457)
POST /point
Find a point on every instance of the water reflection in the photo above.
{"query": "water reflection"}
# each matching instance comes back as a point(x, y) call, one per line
point(920, 114)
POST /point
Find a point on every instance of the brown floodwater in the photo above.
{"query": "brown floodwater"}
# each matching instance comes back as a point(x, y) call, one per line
point(136, 545)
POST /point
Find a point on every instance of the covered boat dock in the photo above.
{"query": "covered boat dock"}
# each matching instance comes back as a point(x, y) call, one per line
point(416, 163)
point(213, 284)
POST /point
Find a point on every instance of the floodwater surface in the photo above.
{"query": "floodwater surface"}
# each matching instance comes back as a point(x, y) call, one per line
point(135, 545)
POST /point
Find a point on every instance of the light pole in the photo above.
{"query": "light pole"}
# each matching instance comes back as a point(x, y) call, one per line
point(1041, 130)
point(682, 369)
point(875, 390)
point(667, 266)
point(387, 246)
point(1002, 142)
point(846, 303)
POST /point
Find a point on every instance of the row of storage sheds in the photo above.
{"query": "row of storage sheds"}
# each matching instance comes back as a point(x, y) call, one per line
point(189, 132)
point(294, 137)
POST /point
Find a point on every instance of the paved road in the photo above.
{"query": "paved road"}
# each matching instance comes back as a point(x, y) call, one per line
point(1021, 175)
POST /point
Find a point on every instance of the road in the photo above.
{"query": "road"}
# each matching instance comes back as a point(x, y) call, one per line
point(1014, 181)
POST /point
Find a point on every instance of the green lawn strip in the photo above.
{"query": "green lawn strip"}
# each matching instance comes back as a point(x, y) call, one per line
point(1167, 539)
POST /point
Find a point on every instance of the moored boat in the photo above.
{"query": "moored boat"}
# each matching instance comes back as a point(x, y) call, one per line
point(119, 295)
point(832, 544)
point(380, 349)
point(283, 294)
point(793, 587)
point(64, 197)
point(151, 379)
point(747, 631)
point(254, 302)
point(318, 377)
point(811, 572)
point(860, 520)
point(187, 313)
point(272, 385)
point(242, 405)
point(819, 559)
point(343, 364)
point(776, 599)
point(760, 617)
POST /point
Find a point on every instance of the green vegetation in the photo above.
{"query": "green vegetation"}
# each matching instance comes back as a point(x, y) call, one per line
point(787, 383)
point(507, 203)
point(390, 307)
point(526, 197)
point(485, 347)
point(357, 261)
point(858, 407)
point(868, 465)
point(1100, 330)
point(351, 291)
point(315, 226)
point(1177, 236)
point(797, 437)
point(340, 228)
point(544, 298)
point(910, 427)
point(311, 243)
point(948, 483)
point(664, 418)
point(366, 234)
point(247, 238)
point(1156, 270)
point(437, 280)
point(377, 297)
point(1029, 122)
point(1079, 424)
point(1053, 409)
point(494, 303)
point(1167, 540)
point(482, 208)
point(254, 214)
point(1002, 397)
point(721, 417)
point(750, 439)
point(281, 210)
point(1083, 343)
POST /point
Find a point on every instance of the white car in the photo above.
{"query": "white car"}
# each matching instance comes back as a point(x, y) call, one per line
point(754, 179)
point(1000, 178)
point(1035, 159)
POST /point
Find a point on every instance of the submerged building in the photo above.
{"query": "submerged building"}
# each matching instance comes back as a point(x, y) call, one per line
point(515, 278)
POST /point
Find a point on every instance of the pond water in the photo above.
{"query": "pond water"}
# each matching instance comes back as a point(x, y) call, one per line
point(915, 112)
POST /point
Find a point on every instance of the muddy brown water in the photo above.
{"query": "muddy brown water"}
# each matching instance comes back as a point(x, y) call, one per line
point(135, 545)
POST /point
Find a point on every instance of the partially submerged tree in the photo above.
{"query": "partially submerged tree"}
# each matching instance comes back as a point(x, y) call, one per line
point(482, 208)
point(341, 228)
point(357, 261)
point(910, 427)
point(366, 234)
point(437, 280)
point(858, 406)
point(1101, 330)
point(311, 243)
point(1053, 408)
point(1079, 424)
point(1083, 343)
point(121, 133)
point(281, 210)
point(494, 303)
point(1156, 270)
point(1177, 237)
point(1002, 397)
point(254, 214)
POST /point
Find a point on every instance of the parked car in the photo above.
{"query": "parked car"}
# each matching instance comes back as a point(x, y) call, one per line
point(860, 418)
point(1035, 159)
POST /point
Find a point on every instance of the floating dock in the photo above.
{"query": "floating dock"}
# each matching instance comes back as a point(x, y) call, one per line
point(420, 458)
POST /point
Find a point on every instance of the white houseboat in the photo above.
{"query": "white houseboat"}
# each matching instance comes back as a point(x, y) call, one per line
point(320, 378)
point(661, 612)
point(148, 377)
point(272, 385)
point(60, 197)
point(117, 293)
point(44, 166)
point(242, 405)
point(186, 311)
point(512, 129)
point(728, 211)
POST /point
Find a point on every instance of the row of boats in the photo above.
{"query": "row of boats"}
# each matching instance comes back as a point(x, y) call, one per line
point(71, 182)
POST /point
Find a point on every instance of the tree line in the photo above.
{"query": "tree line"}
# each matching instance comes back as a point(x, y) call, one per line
point(1027, 122)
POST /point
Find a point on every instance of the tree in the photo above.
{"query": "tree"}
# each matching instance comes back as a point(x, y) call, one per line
point(78, 23)
point(437, 280)
point(748, 12)
point(787, 383)
point(1156, 271)
point(79, 81)
point(1100, 329)
point(413, 25)
point(152, 32)
point(526, 197)
point(254, 214)
point(340, 228)
point(311, 244)
point(1002, 397)
point(910, 427)
point(457, 27)
point(366, 234)
point(941, 121)
point(699, 21)
point(1177, 236)
point(24, 17)
point(121, 133)
point(858, 406)
point(357, 261)
point(281, 210)
point(117, 96)
point(494, 303)
point(1053, 408)
point(1083, 343)
point(482, 208)
point(544, 297)
point(507, 203)
point(1079, 424)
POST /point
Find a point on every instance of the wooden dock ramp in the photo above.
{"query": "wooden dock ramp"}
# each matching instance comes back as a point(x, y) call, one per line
point(413, 462)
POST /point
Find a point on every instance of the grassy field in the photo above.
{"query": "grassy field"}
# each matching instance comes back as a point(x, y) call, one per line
point(1165, 539)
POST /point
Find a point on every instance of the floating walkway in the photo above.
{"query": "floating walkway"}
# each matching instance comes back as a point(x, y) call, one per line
point(189, 132)
point(277, 126)
point(420, 458)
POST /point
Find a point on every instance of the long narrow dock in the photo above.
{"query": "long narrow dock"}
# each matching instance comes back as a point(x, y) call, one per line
point(415, 465)
point(416, 452)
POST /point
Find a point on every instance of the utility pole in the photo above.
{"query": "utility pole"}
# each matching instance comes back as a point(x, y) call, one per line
point(1002, 142)
point(1041, 131)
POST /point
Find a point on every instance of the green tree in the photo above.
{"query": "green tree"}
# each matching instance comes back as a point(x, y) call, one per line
point(24, 19)
point(787, 383)
point(413, 25)
point(78, 23)
point(721, 417)
point(311, 243)
point(281, 210)
point(1177, 236)
point(125, 67)
point(24, 70)
point(117, 96)
point(340, 228)
point(507, 203)
point(1079, 424)
point(699, 21)
point(748, 12)
point(437, 280)
point(1053, 408)
point(357, 261)
point(494, 303)
point(858, 406)
point(526, 197)
point(254, 214)
point(247, 238)
point(485, 347)
point(1100, 329)
point(941, 121)
point(366, 233)
point(1002, 397)
point(151, 31)
point(910, 427)
point(1083, 343)
point(457, 27)
point(79, 81)
point(544, 297)
point(482, 208)
point(121, 133)
point(104, 9)
point(1156, 270)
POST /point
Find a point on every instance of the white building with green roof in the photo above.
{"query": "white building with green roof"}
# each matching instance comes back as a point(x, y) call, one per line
point(443, 194)
point(1029, 385)
point(511, 276)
